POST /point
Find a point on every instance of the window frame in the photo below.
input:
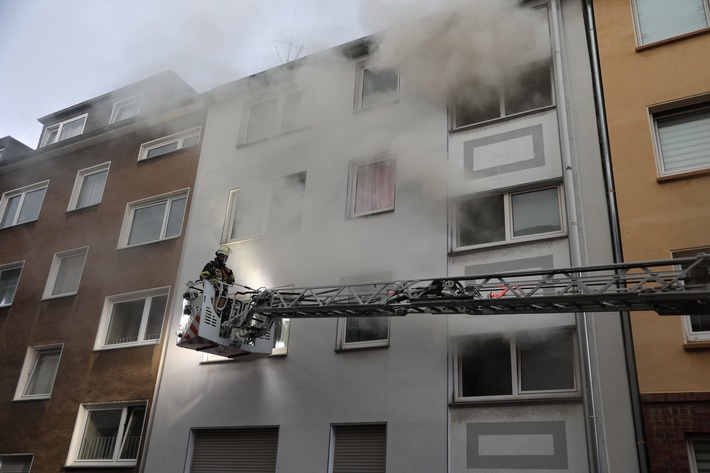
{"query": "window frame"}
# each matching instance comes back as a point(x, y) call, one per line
point(359, 102)
point(80, 425)
point(692, 456)
point(503, 93)
point(515, 339)
point(127, 102)
point(59, 127)
point(692, 337)
point(670, 111)
point(11, 266)
point(168, 198)
point(178, 138)
point(29, 367)
point(22, 191)
point(28, 457)
point(107, 313)
point(639, 35)
point(277, 127)
point(268, 188)
point(354, 166)
point(508, 218)
point(81, 175)
point(54, 272)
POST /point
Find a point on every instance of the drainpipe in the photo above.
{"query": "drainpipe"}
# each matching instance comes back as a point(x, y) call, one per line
point(583, 323)
point(607, 170)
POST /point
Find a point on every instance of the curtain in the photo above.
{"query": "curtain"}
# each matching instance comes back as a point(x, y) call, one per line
point(69, 274)
point(43, 373)
point(92, 189)
point(374, 187)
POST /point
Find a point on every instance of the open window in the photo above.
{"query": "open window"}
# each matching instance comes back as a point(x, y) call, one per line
point(9, 279)
point(107, 435)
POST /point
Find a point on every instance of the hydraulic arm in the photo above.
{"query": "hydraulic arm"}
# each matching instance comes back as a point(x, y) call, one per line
point(239, 322)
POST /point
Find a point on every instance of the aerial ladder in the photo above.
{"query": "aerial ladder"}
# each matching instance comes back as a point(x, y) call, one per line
point(237, 321)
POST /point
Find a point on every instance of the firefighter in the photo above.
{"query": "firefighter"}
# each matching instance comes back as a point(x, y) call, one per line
point(216, 271)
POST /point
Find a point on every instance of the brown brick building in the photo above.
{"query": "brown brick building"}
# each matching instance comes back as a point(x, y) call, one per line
point(656, 79)
point(91, 229)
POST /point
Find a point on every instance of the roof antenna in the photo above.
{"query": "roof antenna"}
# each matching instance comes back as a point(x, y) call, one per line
point(293, 50)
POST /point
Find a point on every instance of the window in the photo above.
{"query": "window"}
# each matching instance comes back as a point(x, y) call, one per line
point(15, 463)
point(107, 435)
point(371, 188)
point(127, 108)
point(65, 273)
point(22, 205)
point(283, 113)
point(363, 332)
point(509, 217)
point(530, 90)
point(169, 144)
point(697, 327)
point(683, 139)
point(154, 219)
point(358, 448)
point(132, 319)
point(9, 279)
point(521, 365)
point(38, 372)
point(266, 208)
point(699, 454)
point(64, 130)
point(657, 20)
point(375, 86)
point(89, 187)
point(240, 450)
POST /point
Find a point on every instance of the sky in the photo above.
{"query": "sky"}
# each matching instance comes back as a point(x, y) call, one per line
point(57, 54)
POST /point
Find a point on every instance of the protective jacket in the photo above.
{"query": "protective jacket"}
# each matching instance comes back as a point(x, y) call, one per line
point(214, 270)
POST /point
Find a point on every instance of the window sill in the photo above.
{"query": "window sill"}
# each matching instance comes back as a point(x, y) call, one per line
point(671, 40)
point(530, 398)
point(92, 206)
point(18, 224)
point(497, 244)
point(138, 245)
point(699, 345)
point(683, 175)
point(127, 345)
point(506, 118)
point(59, 296)
point(99, 465)
point(363, 346)
point(37, 398)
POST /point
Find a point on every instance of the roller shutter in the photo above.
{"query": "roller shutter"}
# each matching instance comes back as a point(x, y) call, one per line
point(360, 448)
point(245, 450)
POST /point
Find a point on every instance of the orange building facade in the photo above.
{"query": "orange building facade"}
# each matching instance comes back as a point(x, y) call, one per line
point(656, 79)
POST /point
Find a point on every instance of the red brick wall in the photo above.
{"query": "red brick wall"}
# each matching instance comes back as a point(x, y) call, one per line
point(668, 418)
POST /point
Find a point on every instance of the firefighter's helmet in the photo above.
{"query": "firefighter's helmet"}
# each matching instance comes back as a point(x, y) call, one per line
point(223, 250)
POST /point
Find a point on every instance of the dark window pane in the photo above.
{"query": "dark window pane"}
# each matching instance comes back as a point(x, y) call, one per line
point(486, 368)
point(700, 323)
point(532, 90)
point(477, 104)
point(536, 212)
point(481, 221)
point(366, 329)
point(547, 363)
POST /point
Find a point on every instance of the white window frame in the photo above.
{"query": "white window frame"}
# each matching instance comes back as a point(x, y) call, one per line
point(2, 151)
point(359, 102)
point(508, 219)
point(131, 207)
point(107, 312)
point(692, 454)
point(177, 138)
point(56, 267)
point(32, 358)
point(58, 128)
point(342, 326)
point(128, 102)
point(690, 335)
point(267, 189)
point(517, 393)
point(23, 191)
point(277, 127)
point(82, 419)
point(352, 185)
point(676, 110)
point(79, 185)
point(7, 267)
point(502, 92)
point(637, 23)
